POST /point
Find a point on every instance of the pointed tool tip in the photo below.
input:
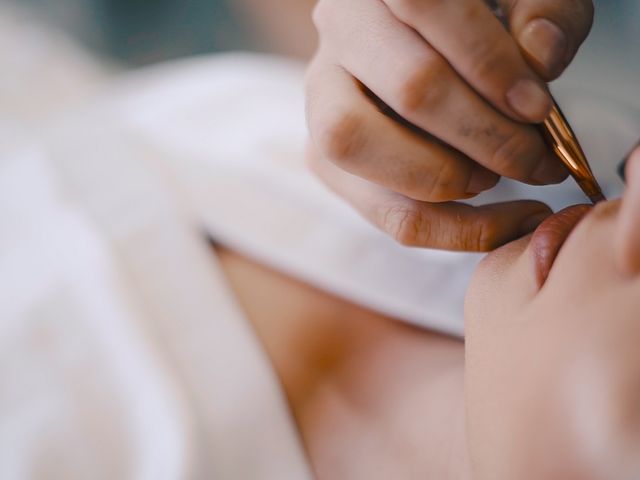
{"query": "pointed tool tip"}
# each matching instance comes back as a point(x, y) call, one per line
point(597, 198)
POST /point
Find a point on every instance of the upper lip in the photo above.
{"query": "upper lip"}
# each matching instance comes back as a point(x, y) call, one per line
point(550, 236)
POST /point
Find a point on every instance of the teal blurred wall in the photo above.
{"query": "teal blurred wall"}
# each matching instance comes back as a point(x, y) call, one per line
point(609, 61)
point(147, 31)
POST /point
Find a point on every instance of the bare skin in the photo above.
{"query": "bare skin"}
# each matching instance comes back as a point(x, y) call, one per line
point(552, 362)
point(284, 25)
point(373, 398)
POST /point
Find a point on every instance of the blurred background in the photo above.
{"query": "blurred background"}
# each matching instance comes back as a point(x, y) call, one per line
point(56, 55)
point(144, 31)
point(141, 32)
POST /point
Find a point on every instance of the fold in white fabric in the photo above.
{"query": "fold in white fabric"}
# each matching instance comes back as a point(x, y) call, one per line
point(124, 354)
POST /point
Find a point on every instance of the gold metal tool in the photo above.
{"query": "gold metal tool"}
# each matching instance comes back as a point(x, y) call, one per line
point(565, 144)
point(560, 136)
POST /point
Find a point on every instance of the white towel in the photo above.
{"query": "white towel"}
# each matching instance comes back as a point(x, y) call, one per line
point(124, 354)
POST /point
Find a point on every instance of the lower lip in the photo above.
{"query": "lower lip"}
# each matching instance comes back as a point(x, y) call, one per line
point(550, 236)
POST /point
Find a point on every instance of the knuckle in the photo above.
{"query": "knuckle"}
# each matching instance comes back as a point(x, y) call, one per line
point(341, 137)
point(479, 235)
point(322, 14)
point(447, 181)
point(436, 185)
point(423, 88)
point(509, 151)
point(405, 224)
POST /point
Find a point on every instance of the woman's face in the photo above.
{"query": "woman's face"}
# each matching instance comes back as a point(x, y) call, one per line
point(553, 337)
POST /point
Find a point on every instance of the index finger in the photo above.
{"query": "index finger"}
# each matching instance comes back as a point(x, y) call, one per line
point(445, 226)
point(481, 50)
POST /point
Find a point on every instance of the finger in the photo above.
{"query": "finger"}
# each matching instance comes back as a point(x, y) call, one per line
point(351, 132)
point(481, 50)
point(450, 226)
point(549, 32)
point(419, 85)
point(627, 242)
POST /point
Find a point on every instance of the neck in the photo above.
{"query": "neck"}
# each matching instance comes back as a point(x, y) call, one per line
point(369, 394)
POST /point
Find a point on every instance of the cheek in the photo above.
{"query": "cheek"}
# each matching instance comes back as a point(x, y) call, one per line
point(502, 285)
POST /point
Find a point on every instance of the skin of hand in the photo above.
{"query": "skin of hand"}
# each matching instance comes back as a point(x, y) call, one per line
point(412, 105)
point(552, 367)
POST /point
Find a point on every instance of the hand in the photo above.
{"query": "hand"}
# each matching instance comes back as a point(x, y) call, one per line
point(552, 362)
point(413, 104)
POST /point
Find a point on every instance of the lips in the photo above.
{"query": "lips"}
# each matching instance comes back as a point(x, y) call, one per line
point(550, 236)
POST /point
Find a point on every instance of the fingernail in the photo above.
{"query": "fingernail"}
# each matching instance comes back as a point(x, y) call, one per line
point(546, 44)
point(481, 180)
point(533, 222)
point(549, 171)
point(530, 100)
